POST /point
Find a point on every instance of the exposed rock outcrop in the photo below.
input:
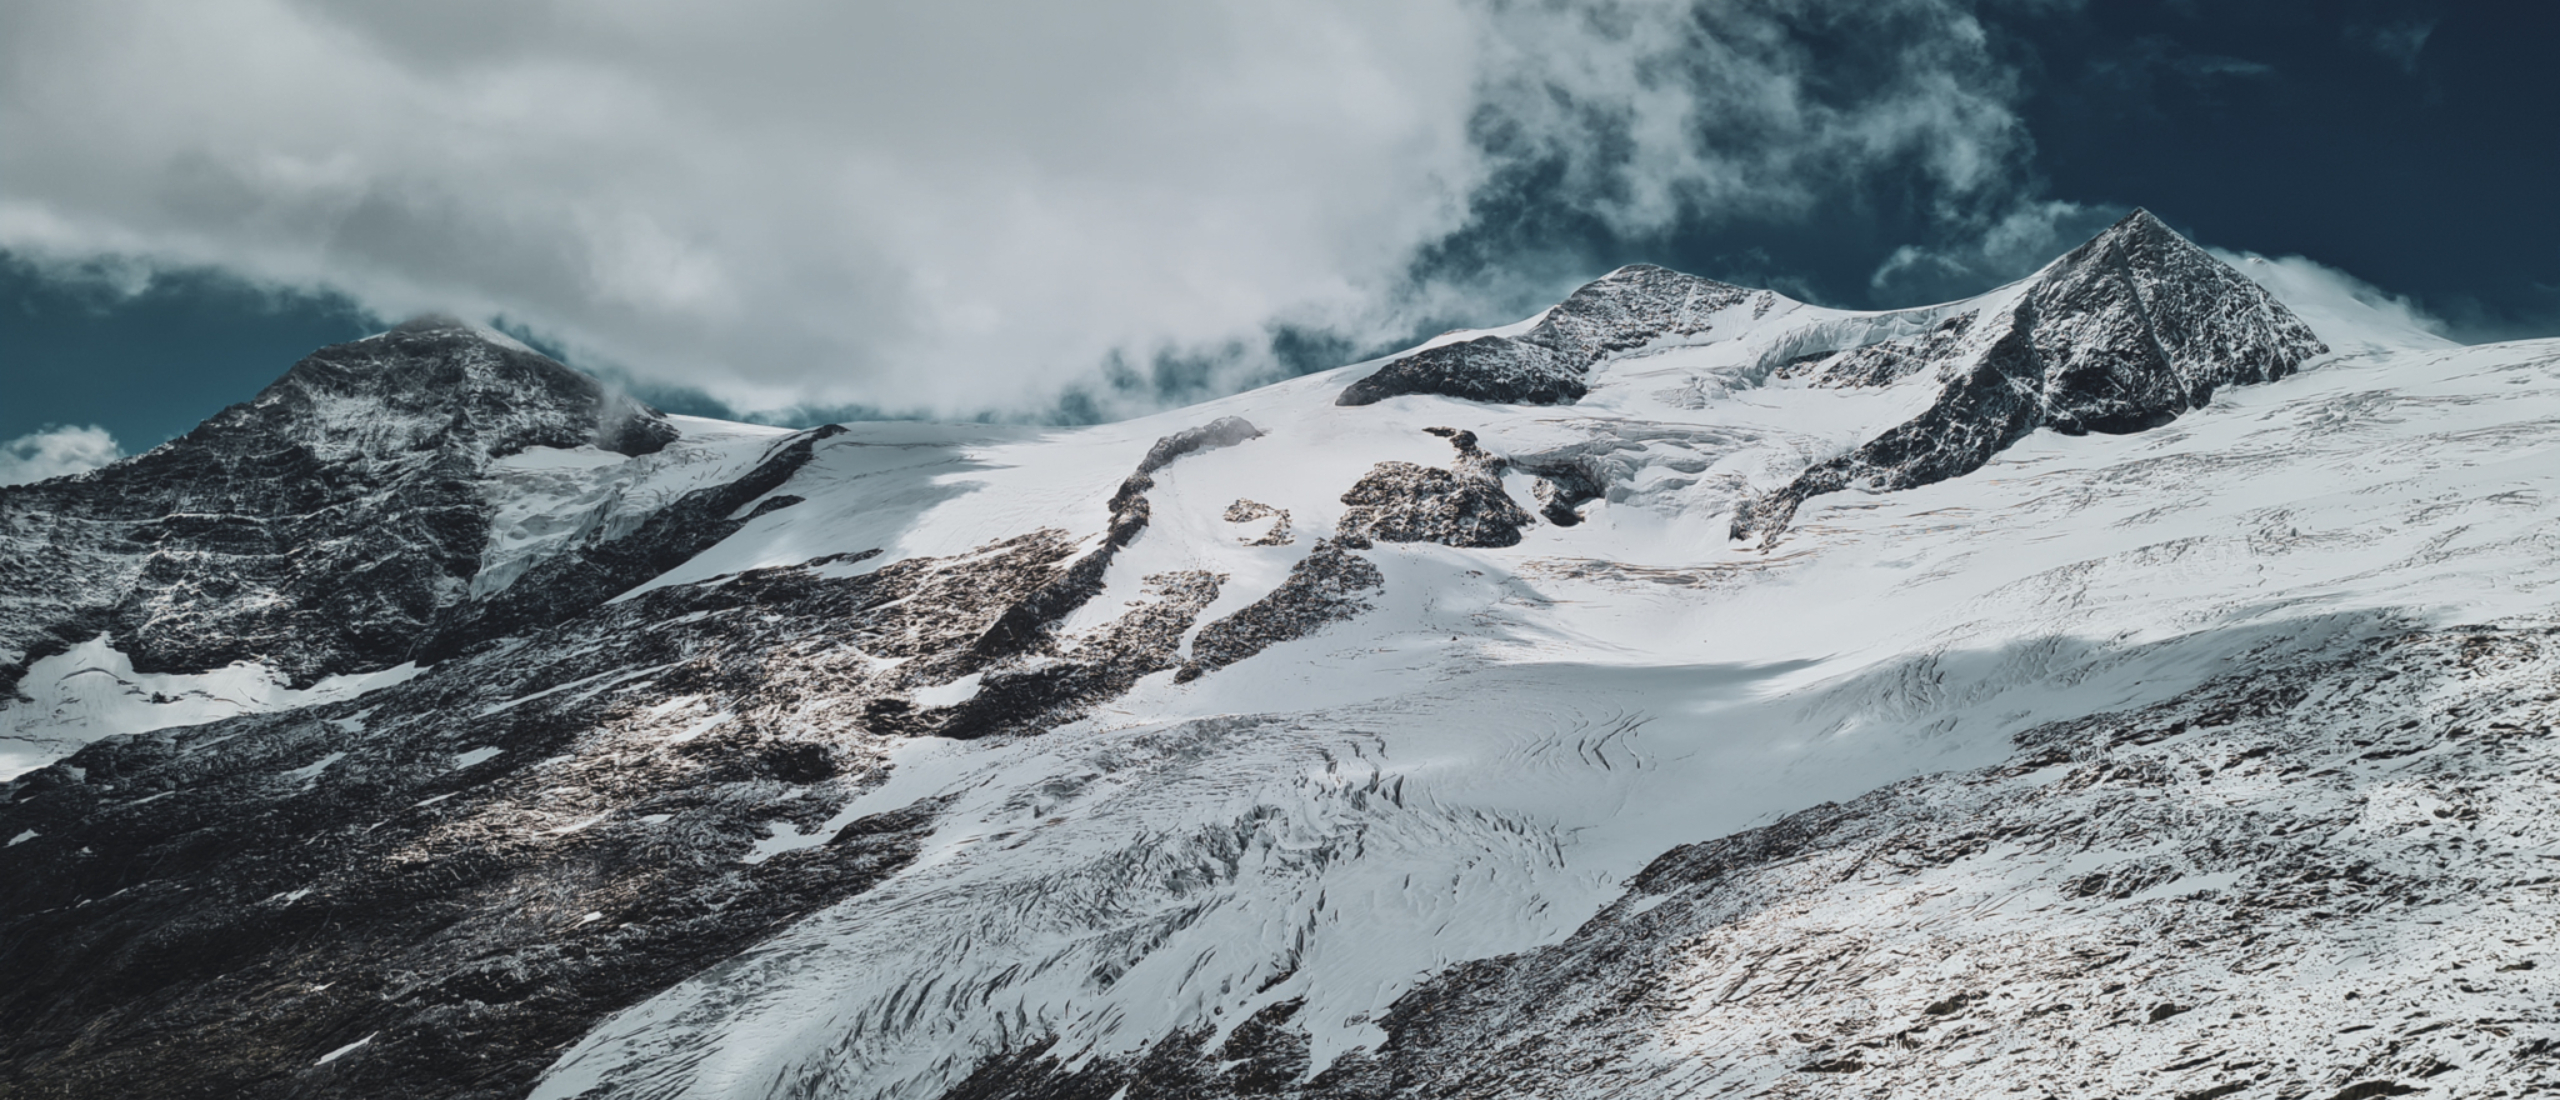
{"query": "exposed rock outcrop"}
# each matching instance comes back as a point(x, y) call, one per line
point(1225, 431)
point(1247, 511)
point(1055, 688)
point(1462, 506)
point(1324, 587)
point(469, 869)
point(1022, 627)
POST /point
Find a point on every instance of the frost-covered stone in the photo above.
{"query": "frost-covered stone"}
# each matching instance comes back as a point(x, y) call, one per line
point(1247, 511)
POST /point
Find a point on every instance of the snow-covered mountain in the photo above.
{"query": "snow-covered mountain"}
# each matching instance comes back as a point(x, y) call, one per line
point(2096, 687)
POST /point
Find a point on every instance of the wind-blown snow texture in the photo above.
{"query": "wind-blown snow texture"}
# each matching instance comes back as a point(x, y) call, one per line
point(1686, 692)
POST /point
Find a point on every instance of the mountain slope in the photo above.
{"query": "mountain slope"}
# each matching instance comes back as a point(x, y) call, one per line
point(1447, 743)
point(375, 507)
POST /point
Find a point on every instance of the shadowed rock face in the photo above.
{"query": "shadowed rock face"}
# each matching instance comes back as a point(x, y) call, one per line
point(466, 871)
point(323, 527)
point(2123, 334)
point(1030, 678)
point(1627, 308)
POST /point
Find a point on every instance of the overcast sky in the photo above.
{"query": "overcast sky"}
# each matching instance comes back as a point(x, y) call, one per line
point(1082, 211)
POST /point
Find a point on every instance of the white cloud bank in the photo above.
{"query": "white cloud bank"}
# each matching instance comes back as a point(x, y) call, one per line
point(56, 452)
point(956, 206)
point(2349, 313)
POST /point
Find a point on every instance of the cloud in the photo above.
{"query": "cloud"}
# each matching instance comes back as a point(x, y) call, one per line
point(965, 207)
point(2010, 245)
point(2348, 313)
point(56, 452)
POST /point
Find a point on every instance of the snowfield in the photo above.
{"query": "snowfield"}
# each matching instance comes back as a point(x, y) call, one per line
point(1656, 799)
point(1478, 767)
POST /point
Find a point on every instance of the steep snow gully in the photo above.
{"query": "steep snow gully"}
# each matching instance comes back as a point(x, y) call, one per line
point(2097, 687)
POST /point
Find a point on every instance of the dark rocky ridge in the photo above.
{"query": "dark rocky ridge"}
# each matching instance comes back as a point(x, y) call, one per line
point(1030, 678)
point(593, 571)
point(1627, 308)
point(330, 525)
point(2122, 334)
point(466, 871)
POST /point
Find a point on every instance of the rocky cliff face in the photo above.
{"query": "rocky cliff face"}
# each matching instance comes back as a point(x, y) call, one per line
point(396, 874)
point(466, 871)
point(1463, 505)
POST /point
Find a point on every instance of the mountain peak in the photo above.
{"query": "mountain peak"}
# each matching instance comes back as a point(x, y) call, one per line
point(1626, 308)
point(2139, 239)
point(435, 381)
point(2122, 334)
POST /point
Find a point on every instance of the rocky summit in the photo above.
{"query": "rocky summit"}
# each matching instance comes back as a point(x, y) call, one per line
point(2096, 687)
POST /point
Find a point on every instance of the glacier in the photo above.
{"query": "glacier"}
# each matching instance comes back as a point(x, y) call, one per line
point(1626, 717)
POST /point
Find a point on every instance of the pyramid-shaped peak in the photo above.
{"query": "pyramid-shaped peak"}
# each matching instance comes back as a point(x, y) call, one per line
point(1629, 307)
point(2142, 220)
point(2123, 334)
point(2138, 237)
